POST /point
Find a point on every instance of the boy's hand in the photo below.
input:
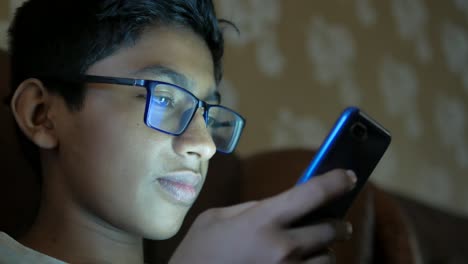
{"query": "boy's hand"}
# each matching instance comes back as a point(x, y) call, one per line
point(259, 232)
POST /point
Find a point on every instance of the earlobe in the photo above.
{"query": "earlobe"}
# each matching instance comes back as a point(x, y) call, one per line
point(31, 105)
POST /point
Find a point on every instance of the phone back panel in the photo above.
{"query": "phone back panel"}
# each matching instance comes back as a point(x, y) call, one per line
point(356, 142)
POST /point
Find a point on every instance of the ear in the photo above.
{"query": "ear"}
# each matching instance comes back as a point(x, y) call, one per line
point(31, 105)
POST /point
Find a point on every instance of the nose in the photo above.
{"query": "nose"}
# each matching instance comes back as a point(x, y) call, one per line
point(196, 141)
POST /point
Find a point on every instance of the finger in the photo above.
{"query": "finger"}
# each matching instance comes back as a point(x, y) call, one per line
point(314, 238)
point(324, 257)
point(298, 201)
point(232, 211)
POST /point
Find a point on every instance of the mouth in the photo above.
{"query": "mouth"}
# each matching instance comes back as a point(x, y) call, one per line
point(181, 186)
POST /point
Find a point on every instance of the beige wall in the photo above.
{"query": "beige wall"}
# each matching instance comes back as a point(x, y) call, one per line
point(4, 18)
point(297, 63)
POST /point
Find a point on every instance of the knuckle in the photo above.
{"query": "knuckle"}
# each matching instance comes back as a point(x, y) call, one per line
point(208, 216)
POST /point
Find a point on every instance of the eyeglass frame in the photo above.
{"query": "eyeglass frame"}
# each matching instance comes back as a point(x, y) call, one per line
point(148, 84)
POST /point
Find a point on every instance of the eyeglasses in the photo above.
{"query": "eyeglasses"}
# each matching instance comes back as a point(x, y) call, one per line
point(170, 109)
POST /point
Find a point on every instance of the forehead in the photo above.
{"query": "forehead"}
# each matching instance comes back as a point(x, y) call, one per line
point(178, 49)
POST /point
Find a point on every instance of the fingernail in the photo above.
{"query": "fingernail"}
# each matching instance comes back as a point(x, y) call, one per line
point(352, 176)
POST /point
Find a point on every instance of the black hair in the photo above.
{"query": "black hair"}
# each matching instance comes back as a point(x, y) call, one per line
point(63, 38)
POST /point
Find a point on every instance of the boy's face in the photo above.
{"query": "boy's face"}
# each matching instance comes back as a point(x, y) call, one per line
point(121, 171)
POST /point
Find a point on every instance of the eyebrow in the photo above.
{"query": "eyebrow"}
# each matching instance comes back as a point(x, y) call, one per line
point(177, 79)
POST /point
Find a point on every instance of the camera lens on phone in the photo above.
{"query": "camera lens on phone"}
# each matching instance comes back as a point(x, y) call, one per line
point(359, 131)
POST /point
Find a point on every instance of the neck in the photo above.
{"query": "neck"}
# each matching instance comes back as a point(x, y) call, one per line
point(66, 232)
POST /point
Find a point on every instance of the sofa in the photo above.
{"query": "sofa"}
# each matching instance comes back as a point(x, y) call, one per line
point(388, 228)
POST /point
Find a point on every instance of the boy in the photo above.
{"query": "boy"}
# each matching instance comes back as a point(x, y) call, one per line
point(118, 104)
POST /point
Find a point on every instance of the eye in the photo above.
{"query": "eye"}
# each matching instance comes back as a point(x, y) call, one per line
point(210, 121)
point(162, 101)
point(213, 123)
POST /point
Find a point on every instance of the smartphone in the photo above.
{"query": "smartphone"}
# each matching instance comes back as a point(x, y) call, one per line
point(356, 142)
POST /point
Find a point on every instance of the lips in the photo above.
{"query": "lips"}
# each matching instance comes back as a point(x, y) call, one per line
point(181, 186)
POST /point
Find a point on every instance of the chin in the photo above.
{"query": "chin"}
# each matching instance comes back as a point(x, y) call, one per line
point(164, 229)
point(163, 234)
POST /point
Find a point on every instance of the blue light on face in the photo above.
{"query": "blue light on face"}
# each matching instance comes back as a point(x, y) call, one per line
point(160, 108)
point(155, 118)
point(185, 118)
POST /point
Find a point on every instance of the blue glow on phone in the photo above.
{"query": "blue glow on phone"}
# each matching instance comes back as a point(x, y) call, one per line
point(310, 171)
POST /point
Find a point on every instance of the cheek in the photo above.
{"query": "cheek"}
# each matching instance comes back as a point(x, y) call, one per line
point(204, 168)
point(111, 135)
point(108, 160)
point(105, 143)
